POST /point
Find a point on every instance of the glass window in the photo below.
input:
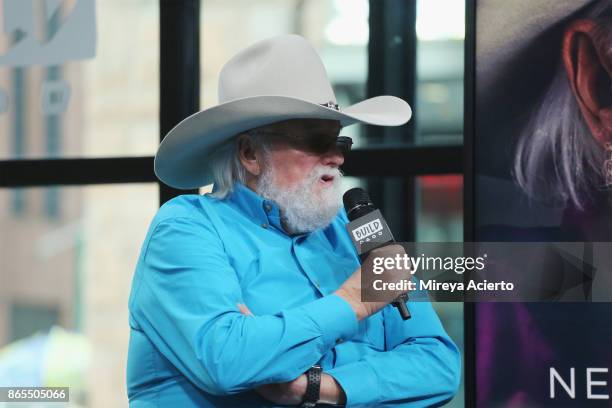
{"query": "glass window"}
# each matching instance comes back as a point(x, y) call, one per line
point(29, 318)
point(64, 289)
point(439, 201)
point(439, 89)
point(79, 78)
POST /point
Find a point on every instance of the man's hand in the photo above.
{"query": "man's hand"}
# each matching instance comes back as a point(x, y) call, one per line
point(287, 393)
point(351, 288)
point(292, 392)
point(244, 309)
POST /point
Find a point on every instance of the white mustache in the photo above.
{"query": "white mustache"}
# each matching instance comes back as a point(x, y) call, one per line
point(321, 171)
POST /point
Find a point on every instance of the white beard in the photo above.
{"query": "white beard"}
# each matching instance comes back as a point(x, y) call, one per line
point(306, 206)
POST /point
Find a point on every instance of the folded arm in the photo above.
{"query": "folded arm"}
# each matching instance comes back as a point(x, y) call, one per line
point(422, 367)
point(185, 300)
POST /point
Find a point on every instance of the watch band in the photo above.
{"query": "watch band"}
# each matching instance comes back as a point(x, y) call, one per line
point(313, 388)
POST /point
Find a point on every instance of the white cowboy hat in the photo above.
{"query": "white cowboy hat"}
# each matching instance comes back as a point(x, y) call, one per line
point(273, 80)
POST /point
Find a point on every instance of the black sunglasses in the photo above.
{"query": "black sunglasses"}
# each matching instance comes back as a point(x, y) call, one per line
point(315, 143)
point(344, 144)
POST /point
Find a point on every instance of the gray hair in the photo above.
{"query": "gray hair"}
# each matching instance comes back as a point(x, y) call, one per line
point(226, 167)
point(557, 159)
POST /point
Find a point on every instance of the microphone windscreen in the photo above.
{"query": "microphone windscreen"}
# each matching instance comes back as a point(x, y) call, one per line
point(356, 197)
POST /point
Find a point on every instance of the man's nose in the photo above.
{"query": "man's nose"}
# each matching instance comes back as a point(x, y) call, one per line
point(333, 157)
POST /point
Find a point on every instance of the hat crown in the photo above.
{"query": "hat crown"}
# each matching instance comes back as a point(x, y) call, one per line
point(284, 66)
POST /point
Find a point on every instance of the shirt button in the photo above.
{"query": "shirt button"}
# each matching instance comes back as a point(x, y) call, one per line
point(339, 341)
point(264, 225)
point(268, 207)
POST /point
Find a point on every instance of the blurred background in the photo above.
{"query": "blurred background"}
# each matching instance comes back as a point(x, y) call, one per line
point(80, 80)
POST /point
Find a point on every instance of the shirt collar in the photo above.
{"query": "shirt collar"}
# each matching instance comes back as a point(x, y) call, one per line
point(264, 212)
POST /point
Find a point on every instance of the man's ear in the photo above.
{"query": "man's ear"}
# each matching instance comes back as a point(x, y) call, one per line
point(589, 70)
point(247, 154)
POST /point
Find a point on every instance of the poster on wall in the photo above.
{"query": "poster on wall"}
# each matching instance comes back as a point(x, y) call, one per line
point(543, 173)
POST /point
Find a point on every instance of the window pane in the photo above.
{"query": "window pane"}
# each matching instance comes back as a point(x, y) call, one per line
point(439, 208)
point(439, 91)
point(65, 281)
point(79, 78)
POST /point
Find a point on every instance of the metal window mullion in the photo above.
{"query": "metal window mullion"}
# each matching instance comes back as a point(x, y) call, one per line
point(179, 60)
point(392, 71)
point(469, 309)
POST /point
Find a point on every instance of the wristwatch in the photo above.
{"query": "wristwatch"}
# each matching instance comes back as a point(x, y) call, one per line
point(313, 375)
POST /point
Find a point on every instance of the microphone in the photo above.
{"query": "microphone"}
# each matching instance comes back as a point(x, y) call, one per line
point(369, 230)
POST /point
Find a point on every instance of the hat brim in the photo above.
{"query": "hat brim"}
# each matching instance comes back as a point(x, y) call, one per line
point(183, 156)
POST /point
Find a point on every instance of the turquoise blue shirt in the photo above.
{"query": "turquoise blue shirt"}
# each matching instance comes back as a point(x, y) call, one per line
point(191, 347)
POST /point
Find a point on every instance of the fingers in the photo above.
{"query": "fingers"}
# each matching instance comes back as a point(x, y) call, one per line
point(389, 250)
point(244, 309)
